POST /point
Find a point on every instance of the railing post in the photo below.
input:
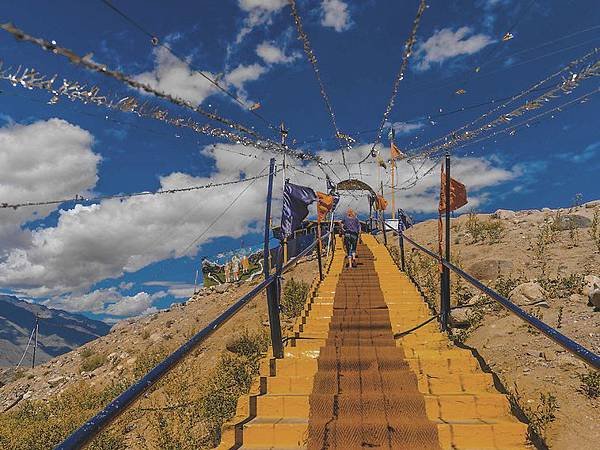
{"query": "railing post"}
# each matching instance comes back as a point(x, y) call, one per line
point(445, 310)
point(319, 250)
point(401, 244)
point(383, 227)
point(274, 289)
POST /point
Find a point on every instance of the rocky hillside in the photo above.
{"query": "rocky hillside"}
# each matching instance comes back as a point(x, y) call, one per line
point(548, 262)
point(178, 413)
point(59, 331)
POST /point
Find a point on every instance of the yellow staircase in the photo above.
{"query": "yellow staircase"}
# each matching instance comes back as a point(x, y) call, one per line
point(459, 397)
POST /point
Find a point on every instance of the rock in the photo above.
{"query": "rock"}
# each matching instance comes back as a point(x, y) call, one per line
point(546, 210)
point(221, 288)
point(592, 204)
point(577, 298)
point(572, 221)
point(592, 283)
point(156, 337)
point(55, 381)
point(460, 315)
point(489, 269)
point(527, 293)
point(594, 298)
point(504, 214)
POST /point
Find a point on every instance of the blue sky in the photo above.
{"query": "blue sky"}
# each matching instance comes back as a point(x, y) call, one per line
point(117, 259)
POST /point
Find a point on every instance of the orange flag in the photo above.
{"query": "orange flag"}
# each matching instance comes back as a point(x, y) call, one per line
point(396, 153)
point(458, 194)
point(380, 203)
point(324, 205)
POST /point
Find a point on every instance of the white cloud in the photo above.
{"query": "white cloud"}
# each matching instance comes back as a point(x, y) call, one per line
point(335, 15)
point(260, 12)
point(42, 161)
point(476, 173)
point(177, 289)
point(106, 240)
point(174, 76)
point(242, 74)
point(272, 54)
point(445, 44)
point(406, 127)
point(107, 301)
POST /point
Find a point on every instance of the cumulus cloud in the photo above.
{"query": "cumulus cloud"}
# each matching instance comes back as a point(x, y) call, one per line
point(271, 54)
point(259, 12)
point(177, 289)
point(405, 127)
point(107, 301)
point(105, 240)
point(477, 173)
point(445, 44)
point(174, 76)
point(44, 160)
point(334, 14)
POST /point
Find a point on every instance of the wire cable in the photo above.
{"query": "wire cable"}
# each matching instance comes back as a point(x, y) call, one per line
point(81, 198)
point(154, 41)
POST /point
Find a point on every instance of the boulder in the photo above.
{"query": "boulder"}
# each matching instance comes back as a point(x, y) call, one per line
point(594, 298)
point(504, 214)
point(571, 221)
point(221, 288)
point(489, 269)
point(527, 293)
point(592, 283)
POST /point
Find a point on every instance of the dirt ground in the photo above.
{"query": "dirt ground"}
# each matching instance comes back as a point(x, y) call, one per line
point(526, 362)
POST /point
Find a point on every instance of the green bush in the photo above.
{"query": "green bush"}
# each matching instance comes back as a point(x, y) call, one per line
point(294, 297)
point(590, 384)
point(92, 362)
point(42, 424)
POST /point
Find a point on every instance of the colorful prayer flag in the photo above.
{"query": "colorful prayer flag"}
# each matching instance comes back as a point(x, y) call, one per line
point(396, 153)
point(324, 205)
point(458, 194)
point(380, 203)
point(296, 199)
point(404, 221)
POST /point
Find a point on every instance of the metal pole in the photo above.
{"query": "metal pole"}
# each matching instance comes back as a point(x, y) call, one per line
point(383, 220)
point(37, 329)
point(272, 289)
point(393, 167)
point(401, 244)
point(319, 250)
point(446, 272)
point(284, 132)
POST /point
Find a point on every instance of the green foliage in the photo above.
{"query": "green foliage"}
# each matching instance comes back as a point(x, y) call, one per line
point(250, 346)
point(546, 235)
point(148, 360)
point(231, 378)
point(294, 298)
point(92, 362)
point(543, 414)
point(39, 425)
point(86, 352)
point(491, 231)
point(590, 383)
point(563, 286)
point(504, 284)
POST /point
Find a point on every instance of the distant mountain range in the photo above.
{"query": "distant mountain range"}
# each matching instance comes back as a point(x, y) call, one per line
point(59, 331)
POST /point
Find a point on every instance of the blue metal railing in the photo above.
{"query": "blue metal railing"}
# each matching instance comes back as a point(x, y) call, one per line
point(84, 434)
point(568, 344)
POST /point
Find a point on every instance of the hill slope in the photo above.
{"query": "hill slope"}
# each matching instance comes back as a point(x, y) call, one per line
point(59, 331)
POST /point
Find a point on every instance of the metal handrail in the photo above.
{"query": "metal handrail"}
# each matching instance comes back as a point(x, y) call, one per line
point(84, 434)
point(568, 344)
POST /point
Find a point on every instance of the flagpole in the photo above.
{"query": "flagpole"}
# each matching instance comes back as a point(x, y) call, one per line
point(272, 289)
point(392, 139)
point(445, 310)
point(284, 133)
